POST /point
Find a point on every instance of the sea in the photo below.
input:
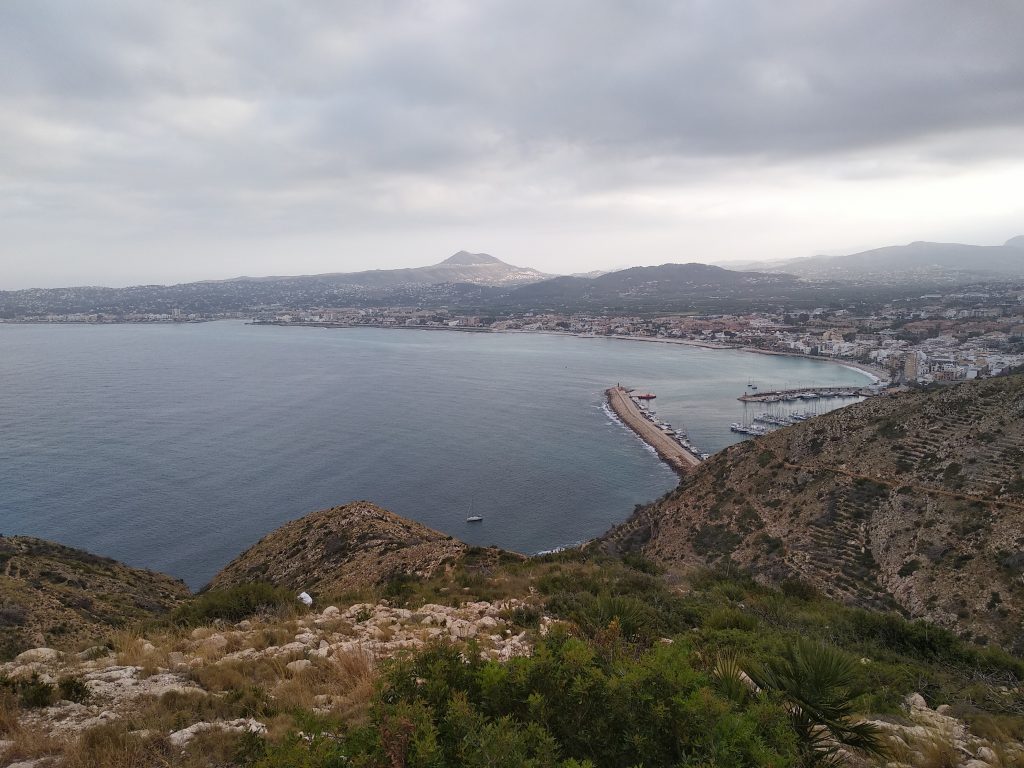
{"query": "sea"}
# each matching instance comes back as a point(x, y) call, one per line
point(175, 447)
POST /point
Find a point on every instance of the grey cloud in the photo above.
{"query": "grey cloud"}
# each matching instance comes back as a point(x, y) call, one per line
point(265, 112)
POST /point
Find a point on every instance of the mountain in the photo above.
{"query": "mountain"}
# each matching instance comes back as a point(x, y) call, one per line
point(462, 267)
point(668, 286)
point(51, 593)
point(913, 501)
point(916, 261)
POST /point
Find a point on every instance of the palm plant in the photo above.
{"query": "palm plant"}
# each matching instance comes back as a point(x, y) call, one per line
point(817, 681)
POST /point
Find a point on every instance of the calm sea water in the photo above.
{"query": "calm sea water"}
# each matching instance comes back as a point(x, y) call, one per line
point(176, 447)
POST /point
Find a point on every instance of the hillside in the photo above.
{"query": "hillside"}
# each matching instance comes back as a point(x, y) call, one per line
point(913, 501)
point(55, 594)
point(669, 287)
point(917, 261)
point(342, 549)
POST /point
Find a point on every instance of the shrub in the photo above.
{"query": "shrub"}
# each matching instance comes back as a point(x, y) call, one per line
point(73, 689)
point(232, 604)
point(799, 589)
point(35, 693)
point(818, 681)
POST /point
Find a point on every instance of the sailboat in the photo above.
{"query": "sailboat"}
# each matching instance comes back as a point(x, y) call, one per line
point(473, 518)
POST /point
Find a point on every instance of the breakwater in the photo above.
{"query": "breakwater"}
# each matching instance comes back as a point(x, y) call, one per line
point(669, 449)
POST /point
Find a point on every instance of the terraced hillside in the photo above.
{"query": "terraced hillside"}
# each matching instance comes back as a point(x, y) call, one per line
point(55, 594)
point(914, 501)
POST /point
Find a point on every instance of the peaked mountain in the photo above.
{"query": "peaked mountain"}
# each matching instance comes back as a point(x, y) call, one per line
point(913, 501)
point(462, 267)
point(915, 261)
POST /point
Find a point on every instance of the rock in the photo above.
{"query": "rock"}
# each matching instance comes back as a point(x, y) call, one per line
point(290, 649)
point(299, 665)
point(460, 629)
point(330, 612)
point(214, 643)
point(988, 755)
point(41, 655)
point(95, 652)
point(915, 701)
point(944, 709)
point(185, 735)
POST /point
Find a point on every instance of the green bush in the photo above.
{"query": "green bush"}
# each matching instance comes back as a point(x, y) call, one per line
point(73, 689)
point(233, 604)
point(34, 692)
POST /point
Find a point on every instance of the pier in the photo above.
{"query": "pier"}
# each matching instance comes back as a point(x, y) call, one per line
point(805, 393)
point(669, 449)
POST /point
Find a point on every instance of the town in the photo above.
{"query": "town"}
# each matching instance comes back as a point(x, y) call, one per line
point(929, 338)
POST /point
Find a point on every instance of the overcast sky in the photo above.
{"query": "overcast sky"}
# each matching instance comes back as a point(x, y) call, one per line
point(172, 141)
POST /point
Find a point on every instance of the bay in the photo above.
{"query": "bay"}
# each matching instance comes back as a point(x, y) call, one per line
point(175, 447)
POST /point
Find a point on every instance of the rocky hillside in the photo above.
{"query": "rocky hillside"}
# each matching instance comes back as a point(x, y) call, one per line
point(914, 501)
point(342, 549)
point(55, 594)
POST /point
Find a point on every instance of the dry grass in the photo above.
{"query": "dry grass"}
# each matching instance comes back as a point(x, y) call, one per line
point(10, 710)
point(113, 746)
point(1010, 758)
point(27, 743)
point(346, 679)
point(338, 626)
point(148, 653)
point(937, 753)
point(235, 675)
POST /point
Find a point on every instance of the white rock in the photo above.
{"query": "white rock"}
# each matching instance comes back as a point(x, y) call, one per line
point(185, 735)
point(43, 655)
point(299, 665)
point(290, 649)
point(916, 701)
point(460, 628)
point(988, 755)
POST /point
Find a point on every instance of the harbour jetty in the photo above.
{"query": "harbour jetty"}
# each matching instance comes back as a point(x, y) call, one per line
point(666, 445)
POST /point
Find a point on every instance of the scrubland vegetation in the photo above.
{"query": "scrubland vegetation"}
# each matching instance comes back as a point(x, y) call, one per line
point(711, 671)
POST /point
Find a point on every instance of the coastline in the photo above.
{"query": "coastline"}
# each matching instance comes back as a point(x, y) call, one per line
point(876, 374)
point(670, 451)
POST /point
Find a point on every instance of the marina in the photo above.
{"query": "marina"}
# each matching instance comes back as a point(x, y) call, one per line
point(672, 445)
point(803, 393)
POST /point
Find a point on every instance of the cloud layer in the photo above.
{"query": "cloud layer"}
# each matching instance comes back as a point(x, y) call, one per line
point(144, 142)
